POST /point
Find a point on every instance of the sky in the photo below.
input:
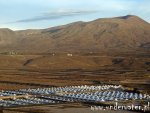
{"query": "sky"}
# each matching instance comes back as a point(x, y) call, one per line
point(40, 14)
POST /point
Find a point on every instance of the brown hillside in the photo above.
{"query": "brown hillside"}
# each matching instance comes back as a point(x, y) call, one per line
point(119, 34)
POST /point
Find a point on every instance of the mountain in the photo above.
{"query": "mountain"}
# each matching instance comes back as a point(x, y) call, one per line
point(126, 33)
point(6, 36)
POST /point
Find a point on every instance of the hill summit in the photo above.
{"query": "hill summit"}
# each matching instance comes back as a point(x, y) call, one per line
point(106, 34)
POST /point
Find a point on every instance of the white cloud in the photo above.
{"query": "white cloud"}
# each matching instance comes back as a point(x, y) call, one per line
point(57, 14)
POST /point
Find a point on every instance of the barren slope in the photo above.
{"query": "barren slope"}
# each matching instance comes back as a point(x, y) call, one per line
point(128, 33)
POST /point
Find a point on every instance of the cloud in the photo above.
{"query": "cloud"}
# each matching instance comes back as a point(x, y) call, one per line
point(57, 15)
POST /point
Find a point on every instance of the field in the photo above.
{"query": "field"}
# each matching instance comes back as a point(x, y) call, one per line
point(34, 71)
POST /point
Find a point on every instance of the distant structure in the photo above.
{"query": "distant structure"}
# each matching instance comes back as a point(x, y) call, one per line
point(69, 55)
point(14, 97)
point(9, 53)
point(27, 96)
point(12, 53)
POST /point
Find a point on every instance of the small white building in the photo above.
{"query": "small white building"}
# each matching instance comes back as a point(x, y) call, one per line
point(69, 55)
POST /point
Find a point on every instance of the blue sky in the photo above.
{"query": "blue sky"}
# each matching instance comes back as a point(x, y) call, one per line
point(38, 14)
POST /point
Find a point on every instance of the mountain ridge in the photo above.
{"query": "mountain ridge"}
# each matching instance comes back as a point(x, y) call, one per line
point(106, 34)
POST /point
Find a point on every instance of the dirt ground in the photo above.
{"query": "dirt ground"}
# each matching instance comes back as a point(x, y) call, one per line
point(33, 71)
